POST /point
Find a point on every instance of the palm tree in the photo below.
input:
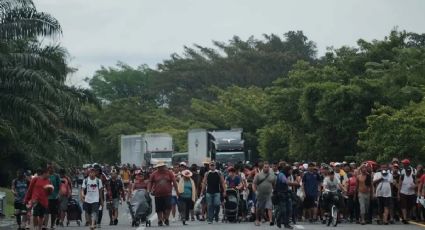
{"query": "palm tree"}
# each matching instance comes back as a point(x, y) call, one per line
point(41, 117)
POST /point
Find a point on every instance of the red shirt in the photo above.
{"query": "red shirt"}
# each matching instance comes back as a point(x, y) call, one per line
point(36, 191)
point(162, 183)
point(140, 183)
point(352, 185)
point(423, 179)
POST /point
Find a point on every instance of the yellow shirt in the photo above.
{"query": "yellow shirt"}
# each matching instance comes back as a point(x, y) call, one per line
point(125, 175)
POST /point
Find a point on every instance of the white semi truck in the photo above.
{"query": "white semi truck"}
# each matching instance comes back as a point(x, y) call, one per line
point(158, 147)
point(131, 149)
point(223, 146)
point(198, 144)
point(146, 149)
point(228, 146)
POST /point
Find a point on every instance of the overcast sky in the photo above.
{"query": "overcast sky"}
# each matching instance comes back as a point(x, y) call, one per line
point(102, 32)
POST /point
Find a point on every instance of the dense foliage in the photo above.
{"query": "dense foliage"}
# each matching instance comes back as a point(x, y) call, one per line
point(352, 103)
point(41, 118)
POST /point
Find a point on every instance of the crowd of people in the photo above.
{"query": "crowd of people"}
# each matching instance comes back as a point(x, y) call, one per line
point(278, 193)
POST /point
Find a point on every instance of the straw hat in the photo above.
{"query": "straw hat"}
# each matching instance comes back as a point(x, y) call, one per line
point(160, 164)
point(206, 161)
point(187, 173)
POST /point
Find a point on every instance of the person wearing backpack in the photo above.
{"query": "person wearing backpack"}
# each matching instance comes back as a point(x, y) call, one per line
point(65, 191)
point(115, 192)
point(407, 194)
point(92, 196)
point(212, 184)
point(19, 189)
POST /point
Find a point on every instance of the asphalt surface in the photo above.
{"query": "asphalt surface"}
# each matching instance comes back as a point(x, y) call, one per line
point(125, 223)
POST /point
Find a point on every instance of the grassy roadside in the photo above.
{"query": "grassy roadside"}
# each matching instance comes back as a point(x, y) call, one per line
point(9, 201)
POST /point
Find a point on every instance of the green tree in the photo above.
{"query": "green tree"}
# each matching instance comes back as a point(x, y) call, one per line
point(40, 117)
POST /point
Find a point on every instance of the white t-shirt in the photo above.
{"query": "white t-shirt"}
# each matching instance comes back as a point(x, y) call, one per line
point(329, 185)
point(93, 186)
point(408, 185)
point(383, 189)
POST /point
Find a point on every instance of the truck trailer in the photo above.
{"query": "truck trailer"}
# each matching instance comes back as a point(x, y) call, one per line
point(146, 149)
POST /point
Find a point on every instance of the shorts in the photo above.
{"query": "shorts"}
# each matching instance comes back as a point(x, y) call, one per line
point(264, 203)
point(53, 206)
point(384, 202)
point(407, 201)
point(162, 203)
point(114, 203)
point(310, 202)
point(174, 200)
point(39, 210)
point(63, 203)
point(91, 209)
point(126, 184)
point(20, 207)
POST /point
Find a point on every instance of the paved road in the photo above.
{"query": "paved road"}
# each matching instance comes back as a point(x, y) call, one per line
point(125, 223)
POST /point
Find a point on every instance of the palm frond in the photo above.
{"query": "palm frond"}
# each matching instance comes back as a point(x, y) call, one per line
point(21, 23)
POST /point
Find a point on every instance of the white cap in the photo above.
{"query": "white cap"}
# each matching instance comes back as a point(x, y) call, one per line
point(183, 164)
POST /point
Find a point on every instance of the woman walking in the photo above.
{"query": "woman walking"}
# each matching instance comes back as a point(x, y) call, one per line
point(187, 190)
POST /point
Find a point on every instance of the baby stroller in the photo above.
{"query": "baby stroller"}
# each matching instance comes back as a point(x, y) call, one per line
point(140, 207)
point(231, 206)
point(73, 212)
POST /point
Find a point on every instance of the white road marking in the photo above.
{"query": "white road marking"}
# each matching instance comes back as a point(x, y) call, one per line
point(153, 217)
point(299, 226)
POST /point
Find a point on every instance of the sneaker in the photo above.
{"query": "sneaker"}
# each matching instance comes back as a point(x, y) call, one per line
point(116, 222)
point(159, 223)
point(111, 222)
point(288, 226)
point(209, 222)
point(271, 223)
point(278, 224)
point(166, 222)
point(184, 222)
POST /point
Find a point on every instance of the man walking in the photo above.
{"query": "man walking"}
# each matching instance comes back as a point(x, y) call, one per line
point(53, 197)
point(213, 183)
point(284, 194)
point(382, 181)
point(65, 193)
point(37, 197)
point(92, 196)
point(311, 186)
point(161, 184)
point(115, 193)
point(263, 185)
point(19, 190)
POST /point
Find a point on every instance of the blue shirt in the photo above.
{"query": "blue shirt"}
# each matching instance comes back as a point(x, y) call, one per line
point(282, 183)
point(21, 187)
point(311, 183)
point(233, 183)
point(187, 193)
